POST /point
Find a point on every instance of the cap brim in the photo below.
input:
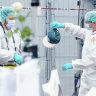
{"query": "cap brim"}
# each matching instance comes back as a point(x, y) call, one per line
point(46, 43)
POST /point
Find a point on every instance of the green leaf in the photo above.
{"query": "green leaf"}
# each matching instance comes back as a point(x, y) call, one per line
point(25, 32)
point(16, 30)
point(9, 34)
point(21, 18)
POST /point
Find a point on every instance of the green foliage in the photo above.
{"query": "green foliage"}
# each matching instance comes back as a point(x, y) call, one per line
point(26, 31)
point(16, 30)
point(9, 34)
point(21, 18)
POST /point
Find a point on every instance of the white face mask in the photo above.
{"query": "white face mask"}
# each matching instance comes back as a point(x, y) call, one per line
point(88, 28)
point(10, 24)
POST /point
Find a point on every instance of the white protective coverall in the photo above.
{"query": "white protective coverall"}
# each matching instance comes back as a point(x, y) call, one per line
point(88, 61)
point(13, 44)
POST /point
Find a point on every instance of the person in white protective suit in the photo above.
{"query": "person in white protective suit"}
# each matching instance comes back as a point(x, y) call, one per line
point(9, 46)
point(88, 61)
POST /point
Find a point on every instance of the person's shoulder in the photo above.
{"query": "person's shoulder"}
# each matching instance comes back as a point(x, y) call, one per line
point(87, 32)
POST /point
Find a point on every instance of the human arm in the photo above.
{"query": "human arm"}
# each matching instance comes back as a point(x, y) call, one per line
point(75, 30)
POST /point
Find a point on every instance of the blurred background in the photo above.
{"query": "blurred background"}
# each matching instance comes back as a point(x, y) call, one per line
point(69, 47)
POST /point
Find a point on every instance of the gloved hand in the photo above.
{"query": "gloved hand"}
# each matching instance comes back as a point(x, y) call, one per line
point(17, 58)
point(56, 25)
point(67, 66)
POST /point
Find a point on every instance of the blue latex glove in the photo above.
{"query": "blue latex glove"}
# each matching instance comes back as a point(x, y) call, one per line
point(67, 66)
point(56, 25)
point(18, 59)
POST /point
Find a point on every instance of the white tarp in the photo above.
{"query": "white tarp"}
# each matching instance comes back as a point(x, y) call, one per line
point(21, 81)
point(52, 88)
point(92, 92)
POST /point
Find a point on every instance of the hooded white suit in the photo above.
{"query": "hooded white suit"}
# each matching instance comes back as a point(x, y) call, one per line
point(88, 61)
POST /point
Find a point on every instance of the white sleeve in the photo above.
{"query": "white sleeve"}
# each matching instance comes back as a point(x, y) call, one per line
point(6, 55)
point(85, 63)
point(75, 30)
